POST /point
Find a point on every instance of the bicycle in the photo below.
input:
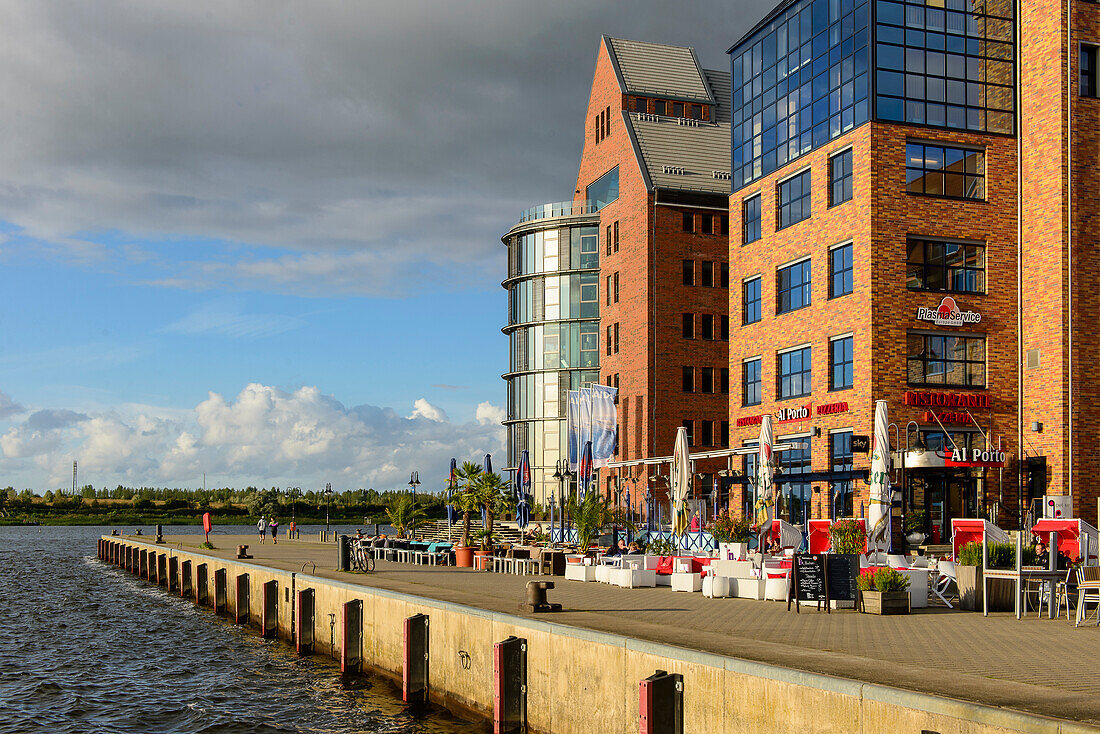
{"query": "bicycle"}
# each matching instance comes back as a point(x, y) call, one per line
point(362, 559)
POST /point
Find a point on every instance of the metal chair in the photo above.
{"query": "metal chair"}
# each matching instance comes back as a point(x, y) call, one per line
point(942, 585)
point(1088, 592)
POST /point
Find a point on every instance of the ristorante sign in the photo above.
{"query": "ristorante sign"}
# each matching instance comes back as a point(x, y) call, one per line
point(947, 399)
point(948, 313)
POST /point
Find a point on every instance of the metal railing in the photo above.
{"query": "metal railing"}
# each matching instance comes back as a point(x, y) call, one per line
point(558, 209)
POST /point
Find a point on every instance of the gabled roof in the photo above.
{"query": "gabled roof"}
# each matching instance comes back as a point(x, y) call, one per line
point(658, 70)
point(682, 156)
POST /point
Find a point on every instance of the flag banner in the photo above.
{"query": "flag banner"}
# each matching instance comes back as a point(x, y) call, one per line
point(572, 427)
point(584, 419)
point(604, 424)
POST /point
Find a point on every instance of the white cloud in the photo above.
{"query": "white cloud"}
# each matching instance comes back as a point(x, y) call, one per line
point(423, 409)
point(9, 407)
point(489, 414)
point(224, 319)
point(262, 436)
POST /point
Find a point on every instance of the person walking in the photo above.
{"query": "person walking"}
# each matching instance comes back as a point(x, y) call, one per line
point(274, 526)
point(261, 527)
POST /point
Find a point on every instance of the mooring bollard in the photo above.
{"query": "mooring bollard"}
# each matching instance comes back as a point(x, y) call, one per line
point(661, 704)
point(536, 598)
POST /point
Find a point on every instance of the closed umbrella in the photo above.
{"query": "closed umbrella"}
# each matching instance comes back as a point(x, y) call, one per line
point(488, 470)
point(450, 493)
point(523, 476)
point(878, 511)
point(681, 482)
point(584, 470)
point(765, 485)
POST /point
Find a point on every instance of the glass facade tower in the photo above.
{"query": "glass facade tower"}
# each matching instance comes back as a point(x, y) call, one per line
point(553, 329)
point(815, 69)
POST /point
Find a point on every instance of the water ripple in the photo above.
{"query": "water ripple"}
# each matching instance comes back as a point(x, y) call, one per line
point(85, 647)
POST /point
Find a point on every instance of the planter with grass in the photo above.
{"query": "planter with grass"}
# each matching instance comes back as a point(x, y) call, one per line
point(968, 576)
point(883, 591)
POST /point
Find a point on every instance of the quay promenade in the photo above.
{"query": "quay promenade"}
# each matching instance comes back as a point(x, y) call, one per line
point(1035, 665)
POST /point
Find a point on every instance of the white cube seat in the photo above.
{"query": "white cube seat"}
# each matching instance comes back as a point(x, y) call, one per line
point(578, 572)
point(716, 587)
point(632, 578)
point(687, 582)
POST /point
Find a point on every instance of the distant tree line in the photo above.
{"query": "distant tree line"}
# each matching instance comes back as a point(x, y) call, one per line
point(153, 503)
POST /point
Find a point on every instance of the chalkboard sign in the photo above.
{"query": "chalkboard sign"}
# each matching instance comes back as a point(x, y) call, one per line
point(841, 573)
point(808, 579)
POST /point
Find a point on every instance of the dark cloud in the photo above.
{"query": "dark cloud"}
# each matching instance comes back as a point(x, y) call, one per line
point(8, 406)
point(357, 139)
point(50, 420)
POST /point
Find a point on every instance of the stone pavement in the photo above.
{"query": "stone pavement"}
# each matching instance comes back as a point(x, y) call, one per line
point(1035, 664)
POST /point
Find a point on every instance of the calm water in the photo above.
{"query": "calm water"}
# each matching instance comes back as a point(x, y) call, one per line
point(86, 647)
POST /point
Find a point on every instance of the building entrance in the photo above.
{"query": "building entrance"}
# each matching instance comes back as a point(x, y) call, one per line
point(944, 495)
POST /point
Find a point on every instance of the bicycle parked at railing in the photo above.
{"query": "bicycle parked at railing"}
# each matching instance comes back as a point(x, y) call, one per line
point(362, 559)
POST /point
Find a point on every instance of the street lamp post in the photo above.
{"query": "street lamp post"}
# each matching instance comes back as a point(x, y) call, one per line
point(328, 504)
point(561, 473)
point(414, 481)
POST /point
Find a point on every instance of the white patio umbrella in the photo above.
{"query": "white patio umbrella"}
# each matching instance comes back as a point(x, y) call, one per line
point(681, 482)
point(878, 511)
point(765, 485)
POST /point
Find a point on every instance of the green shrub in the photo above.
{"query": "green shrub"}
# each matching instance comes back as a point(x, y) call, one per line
point(970, 555)
point(914, 522)
point(1001, 555)
point(845, 536)
point(727, 529)
point(660, 547)
point(883, 579)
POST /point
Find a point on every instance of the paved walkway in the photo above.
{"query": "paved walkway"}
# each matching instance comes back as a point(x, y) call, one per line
point(1035, 664)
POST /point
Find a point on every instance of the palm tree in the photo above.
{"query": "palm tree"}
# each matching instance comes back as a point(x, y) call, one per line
point(465, 495)
point(591, 515)
point(494, 493)
point(404, 514)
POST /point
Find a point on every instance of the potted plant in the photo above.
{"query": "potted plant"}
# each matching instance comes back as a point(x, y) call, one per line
point(405, 515)
point(884, 591)
point(846, 537)
point(466, 501)
point(914, 528)
point(733, 532)
point(968, 576)
point(591, 515)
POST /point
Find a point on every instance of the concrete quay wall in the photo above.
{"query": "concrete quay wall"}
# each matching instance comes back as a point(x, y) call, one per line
point(580, 681)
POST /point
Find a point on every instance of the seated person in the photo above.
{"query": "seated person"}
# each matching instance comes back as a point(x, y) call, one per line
point(633, 550)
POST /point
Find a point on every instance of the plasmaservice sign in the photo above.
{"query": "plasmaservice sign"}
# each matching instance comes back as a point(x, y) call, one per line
point(948, 314)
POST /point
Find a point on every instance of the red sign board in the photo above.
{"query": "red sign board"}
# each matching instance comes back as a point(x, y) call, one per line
point(949, 417)
point(790, 415)
point(990, 458)
point(947, 399)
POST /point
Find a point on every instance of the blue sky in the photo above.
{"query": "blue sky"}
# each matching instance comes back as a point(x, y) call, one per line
point(262, 240)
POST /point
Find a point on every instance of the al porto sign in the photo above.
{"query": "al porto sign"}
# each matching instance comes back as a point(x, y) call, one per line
point(985, 458)
point(791, 415)
point(948, 313)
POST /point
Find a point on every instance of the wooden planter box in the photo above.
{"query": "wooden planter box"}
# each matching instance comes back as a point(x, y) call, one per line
point(969, 579)
point(885, 602)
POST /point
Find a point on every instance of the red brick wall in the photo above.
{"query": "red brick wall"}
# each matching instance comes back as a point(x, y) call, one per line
point(652, 246)
point(881, 309)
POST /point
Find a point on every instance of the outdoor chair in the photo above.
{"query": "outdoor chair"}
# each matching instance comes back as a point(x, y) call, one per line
point(943, 582)
point(1088, 592)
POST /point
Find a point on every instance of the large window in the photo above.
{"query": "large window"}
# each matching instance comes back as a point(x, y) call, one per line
point(937, 170)
point(750, 220)
point(689, 272)
point(750, 382)
point(840, 363)
point(689, 326)
point(840, 270)
point(794, 199)
point(840, 178)
point(750, 301)
point(946, 64)
point(795, 495)
point(946, 359)
point(793, 287)
point(798, 82)
point(688, 379)
point(604, 189)
point(689, 426)
point(706, 326)
point(706, 380)
point(954, 267)
point(840, 456)
point(1087, 71)
point(793, 373)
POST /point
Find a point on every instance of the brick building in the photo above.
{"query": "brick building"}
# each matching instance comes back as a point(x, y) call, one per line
point(880, 183)
point(655, 167)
